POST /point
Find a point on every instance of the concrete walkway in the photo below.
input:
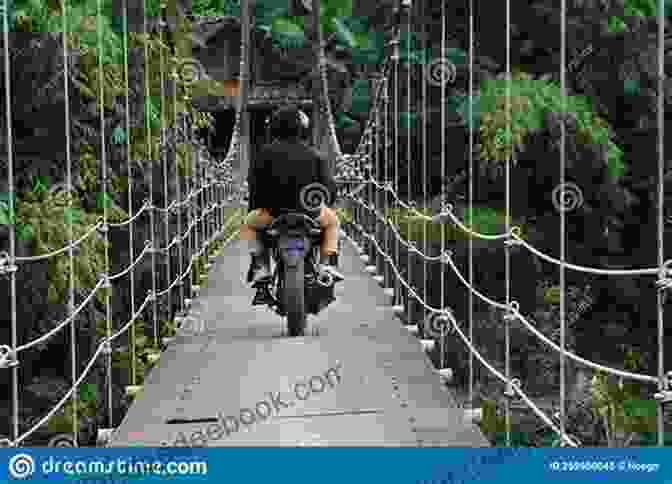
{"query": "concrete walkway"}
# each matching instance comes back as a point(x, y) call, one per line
point(360, 380)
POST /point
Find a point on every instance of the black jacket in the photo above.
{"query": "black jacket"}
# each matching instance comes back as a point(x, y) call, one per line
point(279, 172)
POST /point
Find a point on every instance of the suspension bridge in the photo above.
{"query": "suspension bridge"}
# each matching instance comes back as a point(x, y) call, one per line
point(363, 375)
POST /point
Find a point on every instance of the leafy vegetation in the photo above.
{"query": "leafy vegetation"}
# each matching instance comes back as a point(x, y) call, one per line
point(620, 406)
point(47, 214)
point(485, 220)
point(637, 8)
point(531, 99)
point(62, 420)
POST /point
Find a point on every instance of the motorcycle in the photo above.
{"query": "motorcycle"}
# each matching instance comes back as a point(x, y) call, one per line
point(297, 287)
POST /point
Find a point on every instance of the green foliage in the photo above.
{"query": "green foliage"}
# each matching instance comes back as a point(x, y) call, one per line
point(412, 227)
point(530, 100)
point(619, 404)
point(8, 217)
point(344, 215)
point(88, 168)
point(360, 96)
point(61, 421)
point(121, 359)
point(212, 8)
point(409, 50)
point(331, 10)
point(552, 295)
point(11, 14)
point(288, 32)
point(492, 423)
point(343, 121)
point(631, 87)
point(638, 8)
point(460, 105)
point(198, 269)
point(46, 213)
point(204, 121)
point(184, 159)
point(82, 20)
point(144, 348)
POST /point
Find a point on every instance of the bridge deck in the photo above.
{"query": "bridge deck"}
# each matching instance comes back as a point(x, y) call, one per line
point(372, 384)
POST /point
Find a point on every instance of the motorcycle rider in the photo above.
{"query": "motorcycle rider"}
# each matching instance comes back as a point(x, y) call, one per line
point(276, 178)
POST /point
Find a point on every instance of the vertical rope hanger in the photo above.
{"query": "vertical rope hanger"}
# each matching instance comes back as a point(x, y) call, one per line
point(12, 230)
point(471, 199)
point(389, 274)
point(178, 126)
point(398, 297)
point(131, 248)
point(408, 159)
point(188, 168)
point(425, 179)
point(507, 254)
point(164, 153)
point(443, 155)
point(151, 168)
point(662, 385)
point(105, 228)
point(563, 221)
point(70, 221)
point(443, 327)
point(373, 194)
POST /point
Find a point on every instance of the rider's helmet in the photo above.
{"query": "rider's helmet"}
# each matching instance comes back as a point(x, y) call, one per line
point(289, 123)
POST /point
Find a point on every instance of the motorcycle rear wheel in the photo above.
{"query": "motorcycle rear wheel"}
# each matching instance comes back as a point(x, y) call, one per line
point(294, 299)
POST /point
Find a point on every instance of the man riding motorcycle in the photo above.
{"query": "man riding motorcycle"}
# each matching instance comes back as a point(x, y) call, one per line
point(276, 178)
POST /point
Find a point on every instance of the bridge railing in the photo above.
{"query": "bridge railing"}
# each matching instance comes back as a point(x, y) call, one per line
point(370, 183)
point(210, 210)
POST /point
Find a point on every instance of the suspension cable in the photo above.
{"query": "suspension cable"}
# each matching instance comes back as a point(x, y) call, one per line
point(131, 247)
point(471, 198)
point(663, 383)
point(12, 230)
point(563, 219)
point(70, 222)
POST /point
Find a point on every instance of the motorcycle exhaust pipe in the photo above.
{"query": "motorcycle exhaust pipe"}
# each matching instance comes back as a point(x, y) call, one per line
point(325, 279)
